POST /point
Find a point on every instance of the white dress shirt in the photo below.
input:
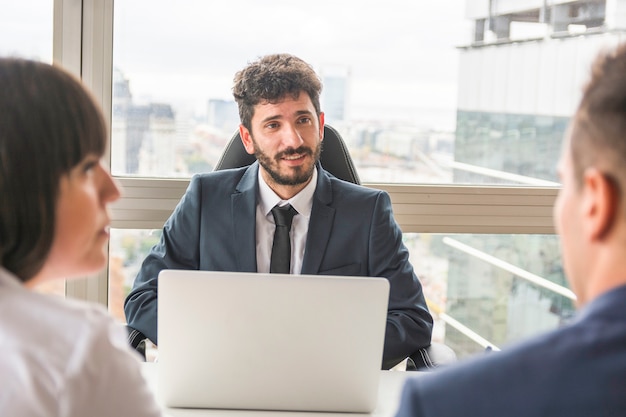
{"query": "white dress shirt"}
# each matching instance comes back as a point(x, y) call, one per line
point(65, 358)
point(265, 226)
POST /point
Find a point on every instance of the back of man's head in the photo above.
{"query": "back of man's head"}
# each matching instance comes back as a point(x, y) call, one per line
point(590, 213)
point(598, 134)
point(271, 79)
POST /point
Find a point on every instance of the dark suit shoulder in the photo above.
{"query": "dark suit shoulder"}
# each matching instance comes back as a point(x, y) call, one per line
point(226, 179)
point(233, 174)
point(568, 371)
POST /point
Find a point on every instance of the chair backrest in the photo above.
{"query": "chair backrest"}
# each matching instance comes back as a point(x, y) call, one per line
point(335, 157)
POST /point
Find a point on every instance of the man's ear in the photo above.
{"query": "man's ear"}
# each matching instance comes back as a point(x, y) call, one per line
point(246, 139)
point(600, 203)
point(321, 119)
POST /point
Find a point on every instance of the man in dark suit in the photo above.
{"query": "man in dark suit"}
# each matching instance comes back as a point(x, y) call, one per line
point(224, 221)
point(580, 369)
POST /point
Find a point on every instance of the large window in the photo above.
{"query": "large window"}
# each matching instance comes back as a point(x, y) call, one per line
point(457, 108)
point(389, 73)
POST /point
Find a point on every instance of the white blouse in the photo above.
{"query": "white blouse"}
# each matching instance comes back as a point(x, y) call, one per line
point(64, 357)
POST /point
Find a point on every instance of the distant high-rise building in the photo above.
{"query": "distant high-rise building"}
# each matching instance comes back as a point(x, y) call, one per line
point(122, 100)
point(223, 115)
point(520, 80)
point(143, 136)
point(334, 95)
point(158, 148)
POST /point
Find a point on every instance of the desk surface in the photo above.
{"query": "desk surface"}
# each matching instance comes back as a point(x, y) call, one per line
point(391, 383)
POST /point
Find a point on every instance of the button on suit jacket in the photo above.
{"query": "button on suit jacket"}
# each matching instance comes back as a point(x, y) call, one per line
point(352, 231)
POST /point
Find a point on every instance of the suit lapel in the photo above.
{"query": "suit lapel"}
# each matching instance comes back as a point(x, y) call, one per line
point(320, 224)
point(243, 209)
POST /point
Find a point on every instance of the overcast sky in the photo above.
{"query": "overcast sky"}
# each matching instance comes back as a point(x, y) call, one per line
point(26, 28)
point(401, 57)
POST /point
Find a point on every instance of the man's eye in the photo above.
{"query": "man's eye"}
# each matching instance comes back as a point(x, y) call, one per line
point(304, 120)
point(271, 125)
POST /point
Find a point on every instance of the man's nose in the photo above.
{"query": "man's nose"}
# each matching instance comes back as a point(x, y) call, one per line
point(291, 137)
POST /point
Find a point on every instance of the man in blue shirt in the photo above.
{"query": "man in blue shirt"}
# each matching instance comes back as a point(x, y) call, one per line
point(580, 369)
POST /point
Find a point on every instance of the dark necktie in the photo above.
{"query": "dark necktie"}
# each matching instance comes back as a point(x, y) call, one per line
point(281, 248)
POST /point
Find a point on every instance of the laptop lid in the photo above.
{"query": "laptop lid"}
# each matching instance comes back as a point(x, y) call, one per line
point(270, 341)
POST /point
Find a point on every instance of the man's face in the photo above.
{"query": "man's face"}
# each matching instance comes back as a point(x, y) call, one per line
point(286, 138)
point(568, 217)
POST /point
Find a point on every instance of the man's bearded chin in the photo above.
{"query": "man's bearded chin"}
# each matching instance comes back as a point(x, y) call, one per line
point(299, 175)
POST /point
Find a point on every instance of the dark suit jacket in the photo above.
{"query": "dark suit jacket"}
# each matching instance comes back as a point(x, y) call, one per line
point(576, 371)
point(352, 231)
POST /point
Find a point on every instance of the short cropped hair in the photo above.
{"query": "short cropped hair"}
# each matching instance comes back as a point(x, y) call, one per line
point(598, 131)
point(271, 79)
point(48, 124)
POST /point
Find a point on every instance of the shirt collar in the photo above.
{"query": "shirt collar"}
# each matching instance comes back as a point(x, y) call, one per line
point(302, 202)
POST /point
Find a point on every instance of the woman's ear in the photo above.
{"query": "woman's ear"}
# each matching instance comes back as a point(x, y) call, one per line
point(600, 203)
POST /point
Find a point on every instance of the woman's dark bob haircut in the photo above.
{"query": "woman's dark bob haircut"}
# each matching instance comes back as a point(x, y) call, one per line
point(48, 124)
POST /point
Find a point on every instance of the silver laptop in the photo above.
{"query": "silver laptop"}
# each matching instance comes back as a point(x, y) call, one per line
point(270, 342)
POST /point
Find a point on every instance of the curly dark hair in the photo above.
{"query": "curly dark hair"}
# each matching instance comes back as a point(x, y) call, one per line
point(270, 79)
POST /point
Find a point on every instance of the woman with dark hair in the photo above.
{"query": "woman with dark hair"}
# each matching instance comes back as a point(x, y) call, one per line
point(58, 357)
